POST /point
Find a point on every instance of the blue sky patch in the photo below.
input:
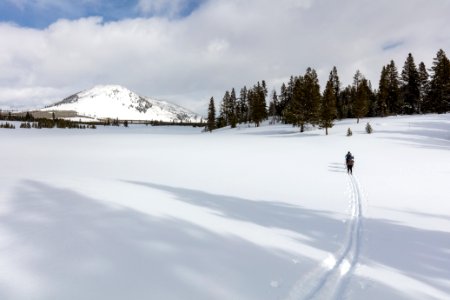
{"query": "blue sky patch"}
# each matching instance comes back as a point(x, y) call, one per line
point(42, 13)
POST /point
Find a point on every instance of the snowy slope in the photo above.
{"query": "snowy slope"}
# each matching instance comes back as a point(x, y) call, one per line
point(244, 213)
point(113, 101)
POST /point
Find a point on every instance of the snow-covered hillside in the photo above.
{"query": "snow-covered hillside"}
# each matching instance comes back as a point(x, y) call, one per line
point(245, 213)
point(113, 101)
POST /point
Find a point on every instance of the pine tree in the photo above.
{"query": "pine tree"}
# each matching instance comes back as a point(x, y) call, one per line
point(328, 109)
point(211, 122)
point(287, 98)
point(257, 101)
point(393, 102)
point(264, 88)
point(361, 103)
point(346, 98)
point(242, 106)
point(349, 132)
point(224, 115)
point(383, 93)
point(273, 108)
point(440, 84)
point(304, 105)
point(311, 96)
point(227, 108)
point(373, 101)
point(295, 112)
point(424, 85)
point(250, 100)
point(233, 109)
point(337, 92)
point(283, 101)
point(369, 128)
point(29, 117)
point(410, 86)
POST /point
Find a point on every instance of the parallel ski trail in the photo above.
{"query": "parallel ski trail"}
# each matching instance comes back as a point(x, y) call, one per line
point(330, 279)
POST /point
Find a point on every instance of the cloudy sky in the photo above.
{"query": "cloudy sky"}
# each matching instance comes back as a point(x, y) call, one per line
point(186, 51)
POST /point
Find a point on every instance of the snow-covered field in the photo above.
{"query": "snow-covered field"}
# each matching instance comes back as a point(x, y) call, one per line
point(247, 213)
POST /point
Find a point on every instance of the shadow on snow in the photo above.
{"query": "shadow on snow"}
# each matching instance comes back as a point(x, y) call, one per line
point(430, 135)
point(75, 247)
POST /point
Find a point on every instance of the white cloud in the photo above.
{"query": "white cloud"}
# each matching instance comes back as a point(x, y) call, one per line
point(28, 97)
point(217, 46)
point(300, 3)
point(223, 44)
point(168, 8)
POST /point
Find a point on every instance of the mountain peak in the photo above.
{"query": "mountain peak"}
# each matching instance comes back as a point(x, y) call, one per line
point(115, 101)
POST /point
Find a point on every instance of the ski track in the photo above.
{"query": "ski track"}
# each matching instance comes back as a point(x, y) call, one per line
point(331, 278)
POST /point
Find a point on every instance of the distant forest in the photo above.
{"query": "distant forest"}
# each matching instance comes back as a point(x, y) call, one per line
point(414, 90)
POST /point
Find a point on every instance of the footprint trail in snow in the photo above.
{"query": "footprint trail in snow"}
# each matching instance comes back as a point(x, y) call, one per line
point(330, 279)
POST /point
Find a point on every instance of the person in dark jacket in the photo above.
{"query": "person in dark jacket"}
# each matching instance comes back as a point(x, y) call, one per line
point(349, 161)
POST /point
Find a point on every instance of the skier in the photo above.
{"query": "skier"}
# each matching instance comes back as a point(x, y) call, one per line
point(349, 161)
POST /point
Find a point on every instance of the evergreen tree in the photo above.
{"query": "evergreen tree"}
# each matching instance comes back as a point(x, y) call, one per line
point(224, 115)
point(278, 108)
point(373, 102)
point(440, 84)
point(283, 97)
point(295, 112)
point(328, 109)
point(393, 102)
point(227, 108)
point(287, 97)
point(29, 117)
point(304, 105)
point(410, 86)
point(337, 92)
point(349, 132)
point(257, 101)
point(424, 85)
point(361, 103)
point(211, 122)
point(264, 88)
point(250, 100)
point(242, 106)
point(346, 98)
point(383, 93)
point(283, 101)
point(369, 128)
point(233, 109)
point(312, 96)
point(274, 108)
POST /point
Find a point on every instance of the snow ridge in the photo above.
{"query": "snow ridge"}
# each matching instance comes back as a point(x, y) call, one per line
point(114, 101)
point(331, 278)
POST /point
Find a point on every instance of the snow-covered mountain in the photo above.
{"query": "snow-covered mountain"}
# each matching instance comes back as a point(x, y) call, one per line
point(114, 101)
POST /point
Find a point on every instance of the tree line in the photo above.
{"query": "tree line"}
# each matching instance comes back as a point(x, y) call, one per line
point(30, 121)
point(414, 90)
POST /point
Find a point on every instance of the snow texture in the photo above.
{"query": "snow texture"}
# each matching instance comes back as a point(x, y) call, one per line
point(246, 213)
point(113, 101)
